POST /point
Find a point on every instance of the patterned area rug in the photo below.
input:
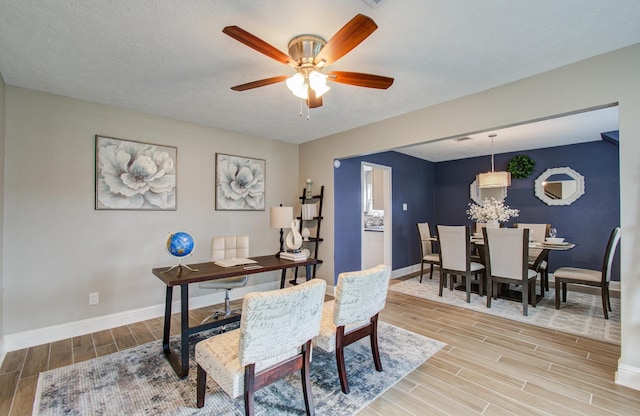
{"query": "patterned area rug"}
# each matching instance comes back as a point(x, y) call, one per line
point(140, 381)
point(581, 314)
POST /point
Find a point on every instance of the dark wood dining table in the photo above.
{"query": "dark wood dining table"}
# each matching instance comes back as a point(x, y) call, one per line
point(202, 272)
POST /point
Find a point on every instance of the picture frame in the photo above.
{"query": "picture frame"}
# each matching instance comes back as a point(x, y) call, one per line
point(240, 183)
point(133, 175)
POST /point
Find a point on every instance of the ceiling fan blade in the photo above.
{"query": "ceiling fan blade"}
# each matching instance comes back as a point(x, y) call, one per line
point(360, 79)
point(259, 83)
point(258, 44)
point(313, 101)
point(347, 38)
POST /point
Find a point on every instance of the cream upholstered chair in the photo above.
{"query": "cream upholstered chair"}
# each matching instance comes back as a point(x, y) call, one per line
point(598, 278)
point(538, 233)
point(227, 247)
point(353, 315)
point(455, 258)
point(507, 261)
point(274, 340)
point(426, 249)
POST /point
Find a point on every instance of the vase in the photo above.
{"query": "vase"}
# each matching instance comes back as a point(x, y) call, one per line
point(294, 239)
point(493, 224)
point(305, 234)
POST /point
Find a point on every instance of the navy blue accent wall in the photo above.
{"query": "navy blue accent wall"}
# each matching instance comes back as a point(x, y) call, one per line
point(412, 182)
point(587, 222)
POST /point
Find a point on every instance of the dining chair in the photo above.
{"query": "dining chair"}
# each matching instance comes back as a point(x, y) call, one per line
point(507, 261)
point(426, 249)
point(538, 233)
point(455, 258)
point(597, 278)
point(353, 315)
point(272, 342)
point(227, 247)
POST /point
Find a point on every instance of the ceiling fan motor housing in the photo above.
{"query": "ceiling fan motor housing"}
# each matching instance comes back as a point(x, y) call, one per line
point(304, 48)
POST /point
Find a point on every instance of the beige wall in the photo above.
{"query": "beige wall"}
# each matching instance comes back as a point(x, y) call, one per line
point(2, 134)
point(60, 248)
point(602, 80)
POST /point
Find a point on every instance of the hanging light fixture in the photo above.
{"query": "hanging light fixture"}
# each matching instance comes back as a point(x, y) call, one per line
point(299, 84)
point(493, 179)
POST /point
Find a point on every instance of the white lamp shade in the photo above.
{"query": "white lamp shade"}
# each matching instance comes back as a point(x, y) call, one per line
point(494, 179)
point(281, 217)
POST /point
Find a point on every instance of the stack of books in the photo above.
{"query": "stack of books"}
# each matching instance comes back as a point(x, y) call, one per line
point(293, 256)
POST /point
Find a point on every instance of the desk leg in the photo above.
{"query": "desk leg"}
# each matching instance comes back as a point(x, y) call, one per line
point(308, 267)
point(167, 320)
point(184, 329)
point(283, 276)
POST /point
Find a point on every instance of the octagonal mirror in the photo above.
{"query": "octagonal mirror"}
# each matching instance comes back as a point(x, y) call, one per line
point(559, 186)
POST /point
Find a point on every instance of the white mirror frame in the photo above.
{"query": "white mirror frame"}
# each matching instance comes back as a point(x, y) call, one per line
point(478, 195)
point(555, 171)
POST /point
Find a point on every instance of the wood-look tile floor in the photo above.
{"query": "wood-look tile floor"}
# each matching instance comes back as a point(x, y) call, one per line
point(490, 366)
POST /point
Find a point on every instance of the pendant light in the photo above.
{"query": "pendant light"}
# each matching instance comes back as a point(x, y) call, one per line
point(493, 179)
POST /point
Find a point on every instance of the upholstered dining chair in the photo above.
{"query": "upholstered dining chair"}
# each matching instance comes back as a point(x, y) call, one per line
point(455, 258)
point(538, 233)
point(353, 315)
point(274, 340)
point(597, 278)
point(227, 247)
point(507, 261)
point(426, 249)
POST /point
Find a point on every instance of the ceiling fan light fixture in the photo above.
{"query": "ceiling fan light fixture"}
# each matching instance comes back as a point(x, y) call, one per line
point(318, 82)
point(296, 84)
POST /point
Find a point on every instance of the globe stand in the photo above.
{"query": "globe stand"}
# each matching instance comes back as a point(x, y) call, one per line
point(180, 266)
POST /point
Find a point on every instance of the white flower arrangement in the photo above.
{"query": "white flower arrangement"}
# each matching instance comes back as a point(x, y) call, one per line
point(491, 209)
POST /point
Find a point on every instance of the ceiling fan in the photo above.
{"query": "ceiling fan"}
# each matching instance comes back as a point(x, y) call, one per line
point(309, 55)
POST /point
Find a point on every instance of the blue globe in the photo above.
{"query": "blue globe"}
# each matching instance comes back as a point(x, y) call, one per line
point(180, 244)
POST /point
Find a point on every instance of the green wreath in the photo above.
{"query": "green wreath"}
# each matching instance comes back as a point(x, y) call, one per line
point(521, 166)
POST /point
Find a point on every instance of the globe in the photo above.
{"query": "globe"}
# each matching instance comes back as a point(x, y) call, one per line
point(180, 244)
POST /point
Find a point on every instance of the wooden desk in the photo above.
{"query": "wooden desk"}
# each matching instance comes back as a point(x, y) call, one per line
point(208, 271)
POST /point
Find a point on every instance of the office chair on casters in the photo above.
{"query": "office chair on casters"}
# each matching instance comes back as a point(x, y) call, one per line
point(227, 247)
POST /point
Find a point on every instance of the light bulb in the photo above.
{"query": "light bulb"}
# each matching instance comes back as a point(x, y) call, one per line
point(318, 82)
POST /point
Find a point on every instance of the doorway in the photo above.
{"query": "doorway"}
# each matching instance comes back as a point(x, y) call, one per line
point(376, 220)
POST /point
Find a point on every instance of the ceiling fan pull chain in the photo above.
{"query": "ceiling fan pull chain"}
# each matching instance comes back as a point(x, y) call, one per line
point(300, 107)
point(308, 111)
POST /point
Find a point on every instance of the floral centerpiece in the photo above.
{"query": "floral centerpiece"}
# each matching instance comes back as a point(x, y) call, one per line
point(491, 210)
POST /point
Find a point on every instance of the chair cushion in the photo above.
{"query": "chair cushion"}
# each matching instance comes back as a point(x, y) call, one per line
point(218, 356)
point(228, 283)
point(326, 339)
point(578, 274)
point(432, 258)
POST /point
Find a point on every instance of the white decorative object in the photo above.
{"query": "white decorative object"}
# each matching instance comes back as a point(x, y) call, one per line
point(294, 239)
point(305, 234)
point(560, 192)
point(491, 209)
point(309, 192)
point(309, 211)
point(493, 224)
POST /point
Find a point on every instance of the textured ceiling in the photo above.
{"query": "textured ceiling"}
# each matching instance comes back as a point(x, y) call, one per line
point(170, 58)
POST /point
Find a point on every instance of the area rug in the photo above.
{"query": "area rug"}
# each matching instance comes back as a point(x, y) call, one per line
point(581, 315)
point(140, 381)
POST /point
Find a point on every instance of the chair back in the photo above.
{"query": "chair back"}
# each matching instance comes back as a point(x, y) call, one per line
point(506, 252)
point(455, 247)
point(537, 232)
point(229, 247)
point(609, 253)
point(424, 234)
point(276, 322)
point(360, 294)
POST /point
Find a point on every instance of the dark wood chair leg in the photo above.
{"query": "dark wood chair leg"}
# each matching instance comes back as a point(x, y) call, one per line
point(525, 299)
point(421, 270)
point(558, 293)
point(431, 272)
point(467, 282)
point(605, 295)
point(201, 386)
point(342, 372)
point(443, 279)
point(306, 379)
point(564, 292)
point(249, 389)
point(374, 343)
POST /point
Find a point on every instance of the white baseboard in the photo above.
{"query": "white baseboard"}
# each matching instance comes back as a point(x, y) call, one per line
point(405, 271)
point(628, 376)
point(53, 333)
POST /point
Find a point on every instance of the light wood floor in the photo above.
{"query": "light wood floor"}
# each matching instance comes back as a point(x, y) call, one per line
point(490, 366)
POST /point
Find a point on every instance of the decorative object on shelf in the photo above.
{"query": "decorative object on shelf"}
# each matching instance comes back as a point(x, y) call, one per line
point(309, 211)
point(309, 190)
point(559, 186)
point(521, 166)
point(294, 238)
point(135, 176)
point(180, 245)
point(239, 183)
point(491, 209)
point(281, 218)
point(493, 179)
point(305, 233)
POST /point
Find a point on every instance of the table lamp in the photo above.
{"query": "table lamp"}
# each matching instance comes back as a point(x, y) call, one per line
point(281, 217)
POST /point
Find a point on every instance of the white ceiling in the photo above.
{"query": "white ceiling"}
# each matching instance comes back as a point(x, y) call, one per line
point(170, 58)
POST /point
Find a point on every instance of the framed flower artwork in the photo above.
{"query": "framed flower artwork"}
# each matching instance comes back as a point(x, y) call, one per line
point(240, 183)
point(132, 175)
